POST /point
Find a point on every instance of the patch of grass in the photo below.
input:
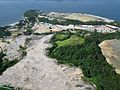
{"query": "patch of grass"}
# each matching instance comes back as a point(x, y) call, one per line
point(61, 36)
point(73, 40)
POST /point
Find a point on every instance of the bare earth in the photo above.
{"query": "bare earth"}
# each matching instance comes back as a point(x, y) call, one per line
point(81, 17)
point(111, 50)
point(38, 72)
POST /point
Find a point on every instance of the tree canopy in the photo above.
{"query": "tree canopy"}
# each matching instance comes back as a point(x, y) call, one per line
point(89, 58)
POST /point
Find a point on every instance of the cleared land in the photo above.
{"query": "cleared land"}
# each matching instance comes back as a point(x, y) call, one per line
point(81, 17)
point(38, 72)
point(111, 50)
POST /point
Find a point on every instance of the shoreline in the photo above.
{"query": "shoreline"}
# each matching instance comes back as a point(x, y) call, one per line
point(13, 22)
point(84, 14)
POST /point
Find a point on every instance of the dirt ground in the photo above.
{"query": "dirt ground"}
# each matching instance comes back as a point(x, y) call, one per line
point(81, 17)
point(111, 50)
point(39, 72)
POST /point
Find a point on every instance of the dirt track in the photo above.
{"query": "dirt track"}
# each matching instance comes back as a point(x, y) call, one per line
point(38, 72)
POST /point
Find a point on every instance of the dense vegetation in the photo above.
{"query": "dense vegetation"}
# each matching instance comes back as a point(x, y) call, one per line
point(4, 32)
point(115, 23)
point(70, 21)
point(4, 63)
point(31, 15)
point(59, 22)
point(88, 57)
point(29, 31)
point(23, 49)
point(21, 24)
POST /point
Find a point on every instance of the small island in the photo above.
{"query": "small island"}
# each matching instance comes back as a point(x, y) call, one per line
point(59, 51)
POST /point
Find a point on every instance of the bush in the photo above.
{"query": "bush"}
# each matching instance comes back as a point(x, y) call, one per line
point(7, 87)
point(31, 13)
point(4, 33)
point(28, 32)
point(5, 63)
point(24, 53)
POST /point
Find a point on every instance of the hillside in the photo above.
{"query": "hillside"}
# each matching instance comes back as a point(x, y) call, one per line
point(111, 50)
point(38, 72)
point(87, 55)
point(51, 50)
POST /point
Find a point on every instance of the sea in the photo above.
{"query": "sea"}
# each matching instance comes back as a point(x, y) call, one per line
point(12, 11)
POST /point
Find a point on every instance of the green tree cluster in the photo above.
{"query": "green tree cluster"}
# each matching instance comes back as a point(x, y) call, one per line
point(70, 21)
point(31, 15)
point(4, 63)
point(4, 32)
point(89, 58)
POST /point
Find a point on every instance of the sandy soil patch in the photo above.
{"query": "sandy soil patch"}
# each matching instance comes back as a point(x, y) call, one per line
point(111, 51)
point(81, 17)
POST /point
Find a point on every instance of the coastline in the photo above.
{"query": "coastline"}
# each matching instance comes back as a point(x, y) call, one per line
point(25, 27)
point(107, 19)
point(12, 22)
point(84, 14)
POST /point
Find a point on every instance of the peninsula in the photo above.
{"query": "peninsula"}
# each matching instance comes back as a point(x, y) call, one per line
point(59, 51)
